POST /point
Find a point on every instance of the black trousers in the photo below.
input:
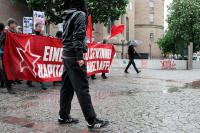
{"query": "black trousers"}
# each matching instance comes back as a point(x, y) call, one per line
point(75, 80)
point(132, 62)
point(4, 78)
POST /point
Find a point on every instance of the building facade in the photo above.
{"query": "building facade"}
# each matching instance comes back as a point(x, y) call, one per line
point(13, 10)
point(149, 25)
point(143, 21)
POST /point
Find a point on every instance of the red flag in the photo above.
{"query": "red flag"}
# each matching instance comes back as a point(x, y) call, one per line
point(89, 28)
point(116, 30)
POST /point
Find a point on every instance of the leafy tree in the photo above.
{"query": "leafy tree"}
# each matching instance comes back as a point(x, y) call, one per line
point(167, 44)
point(184, 21)
point(102, 11)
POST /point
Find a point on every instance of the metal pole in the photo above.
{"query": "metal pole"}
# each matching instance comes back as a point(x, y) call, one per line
point(190, 56)
point(122, 56)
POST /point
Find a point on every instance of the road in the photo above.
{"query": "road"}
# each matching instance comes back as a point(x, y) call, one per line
point(155, 101)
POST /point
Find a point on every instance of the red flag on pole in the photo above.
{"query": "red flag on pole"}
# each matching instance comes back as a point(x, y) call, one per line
point(116, 30)
point(89, 28)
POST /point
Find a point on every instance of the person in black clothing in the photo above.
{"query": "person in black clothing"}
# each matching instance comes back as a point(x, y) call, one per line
point(4, 80)
point(132, 53)
point(38, 31)
point(75, 71)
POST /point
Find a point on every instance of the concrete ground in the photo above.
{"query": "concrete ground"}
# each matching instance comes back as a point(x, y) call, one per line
point(155, 101)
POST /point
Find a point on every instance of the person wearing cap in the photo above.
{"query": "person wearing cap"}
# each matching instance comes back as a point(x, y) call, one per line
point(12, 25)
point(75, 72)
point(132, 54)
point(7, 82)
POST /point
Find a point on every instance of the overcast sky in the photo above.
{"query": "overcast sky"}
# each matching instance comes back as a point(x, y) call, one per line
point(167, 2)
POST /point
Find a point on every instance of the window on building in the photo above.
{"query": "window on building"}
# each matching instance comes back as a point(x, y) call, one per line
point(127, 28)
point(151, 37)
point(130, 6)
point(151, 4)
point(122, 19)
point(151, 10)
point(151, 18)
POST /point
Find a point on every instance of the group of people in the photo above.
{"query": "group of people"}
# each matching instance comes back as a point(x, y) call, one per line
point(74, 76)
point(12, 26)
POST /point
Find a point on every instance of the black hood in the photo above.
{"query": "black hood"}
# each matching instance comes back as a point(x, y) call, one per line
point(68, 13)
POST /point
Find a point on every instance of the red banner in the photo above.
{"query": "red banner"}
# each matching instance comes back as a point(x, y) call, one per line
point(39, 58)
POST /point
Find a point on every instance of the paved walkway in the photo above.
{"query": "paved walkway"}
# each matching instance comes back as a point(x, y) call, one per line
point(153, 102)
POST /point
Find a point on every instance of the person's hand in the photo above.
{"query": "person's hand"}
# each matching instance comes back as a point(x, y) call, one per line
point(81, 62)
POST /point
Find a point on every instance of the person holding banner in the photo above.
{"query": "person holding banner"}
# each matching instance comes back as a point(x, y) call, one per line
point(103, 75)
point(38, 31)
point(75, 71)
point(4, 79)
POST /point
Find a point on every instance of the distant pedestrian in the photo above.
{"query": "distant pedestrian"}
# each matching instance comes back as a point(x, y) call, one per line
point(132, 54)
point(4, 79)
point(75, 72)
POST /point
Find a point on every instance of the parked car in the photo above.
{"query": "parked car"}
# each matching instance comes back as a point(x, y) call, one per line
point(196, 58)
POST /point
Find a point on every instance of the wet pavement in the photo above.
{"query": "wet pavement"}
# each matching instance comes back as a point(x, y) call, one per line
point(154, 101)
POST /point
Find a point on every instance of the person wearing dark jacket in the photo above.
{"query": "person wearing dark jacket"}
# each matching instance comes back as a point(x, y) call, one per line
point(38, 31)
point(4, 80)
point(132, 53)
point(75, 71)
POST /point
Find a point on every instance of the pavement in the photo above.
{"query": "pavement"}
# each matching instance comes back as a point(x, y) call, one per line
point(155, 101)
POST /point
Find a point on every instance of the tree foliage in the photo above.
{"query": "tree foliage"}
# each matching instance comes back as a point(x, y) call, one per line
point(184, 21)
point(166, 43)
point(102, 11)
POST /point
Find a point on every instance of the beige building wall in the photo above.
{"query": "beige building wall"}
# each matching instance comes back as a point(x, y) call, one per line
point(10, 10)
point(147, 30)
point(141, 28)
point(128, 19)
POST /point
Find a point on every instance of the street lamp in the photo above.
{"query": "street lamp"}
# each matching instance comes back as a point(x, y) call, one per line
point(150, 51)
point(122, 54)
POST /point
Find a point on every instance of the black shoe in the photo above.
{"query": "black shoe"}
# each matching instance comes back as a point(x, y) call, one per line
point(14, 82)
point(126, 72)
point(43, 86)
point(93, 78)
point(18, 82)
point(68, 120)
point(11, 91)
point(104, 77)
point(57, 83)
point(139, 72)
point(2, 84)
point(98, 124)
point(30, 85)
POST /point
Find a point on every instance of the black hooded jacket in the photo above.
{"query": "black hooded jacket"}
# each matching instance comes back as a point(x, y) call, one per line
point(74, 32)
point(132, 52)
